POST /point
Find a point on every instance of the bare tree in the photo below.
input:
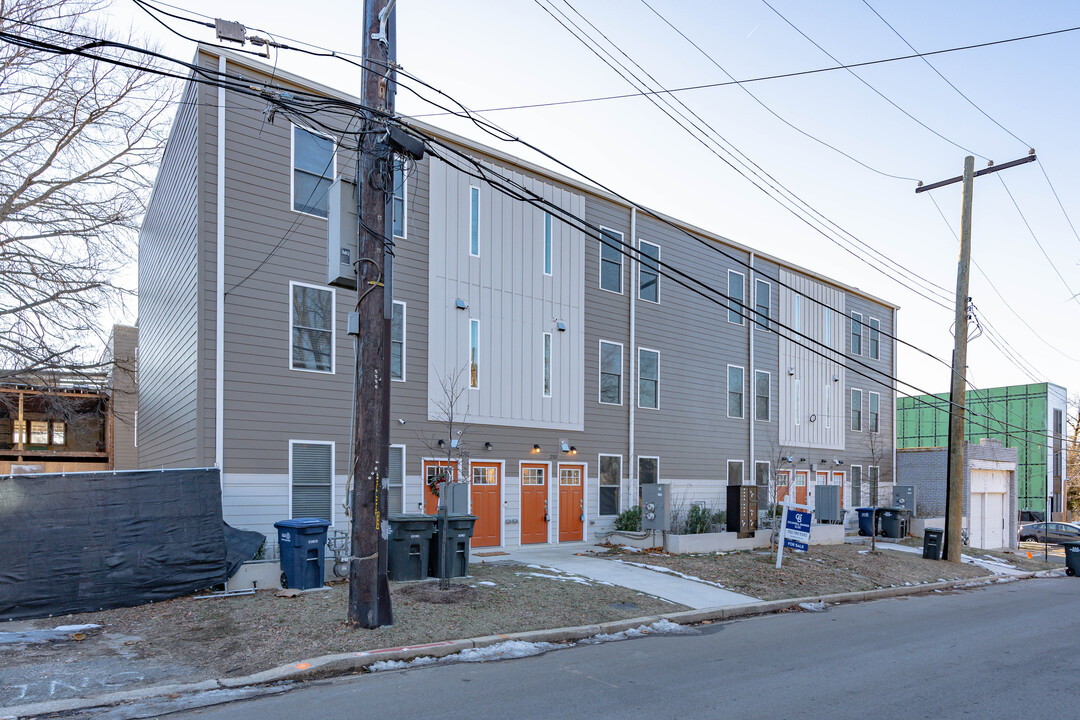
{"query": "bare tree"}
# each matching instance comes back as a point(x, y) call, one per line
point(877, 447)
point(781, 458)
point(451, 414)
point(80, 140)
point(1072, 455)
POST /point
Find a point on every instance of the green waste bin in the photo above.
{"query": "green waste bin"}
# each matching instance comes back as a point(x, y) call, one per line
point(407, 545)
point(894, 522)
point(459, 532)
point(1072, 558)
point(931, 543)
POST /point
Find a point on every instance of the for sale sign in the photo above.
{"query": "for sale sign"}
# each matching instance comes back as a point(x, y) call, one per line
point(794, 529)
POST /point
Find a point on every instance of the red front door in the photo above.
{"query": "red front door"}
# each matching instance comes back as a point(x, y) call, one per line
point(486, 504)
point(431, 469)
point(571, 503)
point(800, 486)
point(838, 479)
point(534, 506)
point(783, 484)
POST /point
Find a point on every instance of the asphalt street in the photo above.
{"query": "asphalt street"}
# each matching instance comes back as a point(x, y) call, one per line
point(1001, 651)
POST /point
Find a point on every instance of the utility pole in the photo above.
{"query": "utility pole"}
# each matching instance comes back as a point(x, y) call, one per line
point(369, 590)
point(954, 488)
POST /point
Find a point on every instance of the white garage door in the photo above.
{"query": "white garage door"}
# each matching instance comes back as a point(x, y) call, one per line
point(987, 519)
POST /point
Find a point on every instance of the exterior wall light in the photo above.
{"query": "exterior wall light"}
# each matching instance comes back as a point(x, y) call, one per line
point(536, 448)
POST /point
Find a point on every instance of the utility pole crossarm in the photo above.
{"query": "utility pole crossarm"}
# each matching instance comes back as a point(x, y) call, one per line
point(1030, 157)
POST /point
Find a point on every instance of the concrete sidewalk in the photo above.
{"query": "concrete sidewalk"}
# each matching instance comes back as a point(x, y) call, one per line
point(694, 594)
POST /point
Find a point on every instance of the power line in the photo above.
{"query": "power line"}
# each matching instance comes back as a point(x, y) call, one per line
point(1056, 197)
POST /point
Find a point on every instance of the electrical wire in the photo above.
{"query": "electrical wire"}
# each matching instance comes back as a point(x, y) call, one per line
point(1058, 198)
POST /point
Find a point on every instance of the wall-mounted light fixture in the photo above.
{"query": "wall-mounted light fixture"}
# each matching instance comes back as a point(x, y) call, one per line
point(401, 420)
point(536, 448)
point(461, 304)
point(788, 458)
point(488, 446)
point(573, 450)
point(791, 371)
point(802, 459)
point(837, 461)
point(442, 443)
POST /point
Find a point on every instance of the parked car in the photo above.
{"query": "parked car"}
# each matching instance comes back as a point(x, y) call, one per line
point(1055, 532)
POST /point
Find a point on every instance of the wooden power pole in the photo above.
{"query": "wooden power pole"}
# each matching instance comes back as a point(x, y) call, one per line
point(954, 488)
point(369, 590)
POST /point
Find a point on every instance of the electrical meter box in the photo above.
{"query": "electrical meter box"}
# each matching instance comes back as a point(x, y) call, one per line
point(655, 506)
point(342, 234)
point(903, 496)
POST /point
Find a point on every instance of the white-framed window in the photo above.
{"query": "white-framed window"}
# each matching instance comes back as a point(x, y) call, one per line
point(397, 342)
point(547, 364)
point(856, 333)
point(395, 480)
point(736, 285)
point(610, 373)
point(474, 353)
point(734, 472)
point(796, 400)
point(610, 480)
point(312, 319)
point(761, 473)
point(735, 385)
point(872, 338)
point(611, 261)
point(648, 469)
point(855, 476)
point(59, 432)
point(762, 304)
point(398, 207)
point(311, 479)
point(547, 243)
point(39, 432)
point(872, 417)
point(856, 410)
point(474, 221)
point(828, 406)
point(313, 169)
point(648, 378)
point(649, 272)
point(762, 395)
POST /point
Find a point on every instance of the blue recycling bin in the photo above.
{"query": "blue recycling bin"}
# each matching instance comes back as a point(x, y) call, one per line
point(867, 521)
point(302, 546)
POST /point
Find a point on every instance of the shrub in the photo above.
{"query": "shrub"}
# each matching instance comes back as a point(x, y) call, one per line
point(629, 520)
point(698, 520)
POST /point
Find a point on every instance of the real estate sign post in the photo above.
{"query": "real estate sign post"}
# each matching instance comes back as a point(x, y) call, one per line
point(794, 529)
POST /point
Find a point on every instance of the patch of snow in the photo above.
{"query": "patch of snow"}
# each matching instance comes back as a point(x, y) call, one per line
point(627, 548)
point(813, 606)
point(485, 582)
point(74, 628)
point(660, 627)
point(562, 578)
point(504, 651)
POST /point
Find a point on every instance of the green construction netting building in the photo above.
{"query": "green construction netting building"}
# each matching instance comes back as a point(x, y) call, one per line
point(1025, 417)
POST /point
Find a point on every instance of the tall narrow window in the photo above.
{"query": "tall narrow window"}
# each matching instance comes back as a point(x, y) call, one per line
point(547, 364)
point(648, 470)
point(395, 479)
point(762, 395)
point(18, 432)
point(649, 272)
point(313, 171)
point(610, 261)
point(856, 410)
point(58, 434)
point(828, 406)
point(648, 379)
point(610, 373)
point(761, 303)
point(610, 480)
point(398, 206)
point(397, 342)
point(875, 399)
point(311, 468)
point(875, 329)
point(474, 353)
point(735, 391)
point(312, 319)
point(856, 485)
point(547, 243)
point(474, 221)
point(856, 333)
point(797, 402)
point(734, 472)
point(761, 473)
point(735, 283)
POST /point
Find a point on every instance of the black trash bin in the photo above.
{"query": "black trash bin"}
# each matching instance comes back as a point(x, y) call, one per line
point(931, 543)
point(1072, 558)
point(459, 531)
point(410, 535)
point(894, 522)
point(867, 521)
point(302, 546)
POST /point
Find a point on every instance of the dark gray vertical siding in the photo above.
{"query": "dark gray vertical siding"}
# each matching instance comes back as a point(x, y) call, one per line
point(168, 303)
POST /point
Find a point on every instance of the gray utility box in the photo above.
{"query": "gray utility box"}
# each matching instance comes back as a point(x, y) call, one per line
point(903, 496)
point(655, 506)
point(828, 503)
point(342, 234)
point(455, 496)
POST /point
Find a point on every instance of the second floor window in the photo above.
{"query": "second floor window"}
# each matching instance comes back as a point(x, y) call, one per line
point(312, 328)
point(648, 379)
point(762, 395)
point(856, 410)
point(398, 206)
point(547, 364)
point(610, 261)
point(313, 171)
point(649, 274)
point(474, 221)
point(735, 391)
point(875, 401)
point(610, 373)
point(397, 342)
point(474, 353)
point(547, 243)
point(856, 333)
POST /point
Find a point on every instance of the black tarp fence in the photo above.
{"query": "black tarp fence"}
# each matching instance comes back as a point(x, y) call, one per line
point(79, 542)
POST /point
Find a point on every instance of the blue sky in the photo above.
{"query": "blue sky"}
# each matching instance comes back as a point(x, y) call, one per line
point(495, 54)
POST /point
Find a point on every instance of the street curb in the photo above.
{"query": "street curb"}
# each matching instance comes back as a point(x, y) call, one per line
point(346, 663)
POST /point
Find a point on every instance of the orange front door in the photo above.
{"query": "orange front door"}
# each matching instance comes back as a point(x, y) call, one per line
point(838, 479)
point(783, 483)
point(571, 503)
point(486, 504)
point(431, 469)
point(534, 509)
point(800, 486)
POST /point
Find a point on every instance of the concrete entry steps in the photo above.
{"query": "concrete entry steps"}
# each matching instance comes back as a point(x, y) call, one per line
point(691, 593)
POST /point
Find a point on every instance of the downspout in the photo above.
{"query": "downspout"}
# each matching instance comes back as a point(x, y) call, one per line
point(633, 357)
point(752, 376)
point(219, 340)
